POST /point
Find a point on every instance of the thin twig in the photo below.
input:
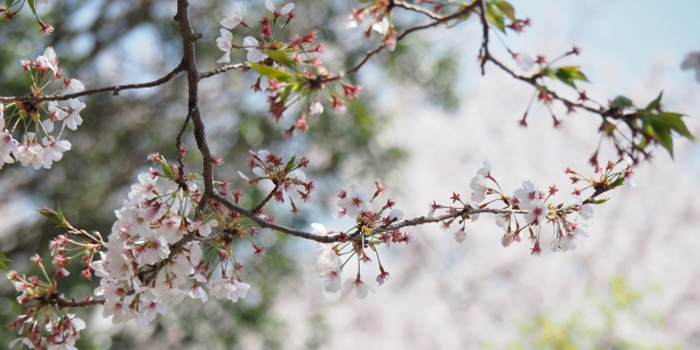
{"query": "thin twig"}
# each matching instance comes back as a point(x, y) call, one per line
point(415, 8)
point(181, 155)
point(439, 20)
point(267, 199)
point(223, 69)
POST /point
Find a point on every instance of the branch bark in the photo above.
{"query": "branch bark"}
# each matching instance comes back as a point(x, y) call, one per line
point(114, 89)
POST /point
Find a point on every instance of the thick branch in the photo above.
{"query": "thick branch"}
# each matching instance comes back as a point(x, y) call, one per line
point(63, 302)
point(114, 89)
point(188, 58)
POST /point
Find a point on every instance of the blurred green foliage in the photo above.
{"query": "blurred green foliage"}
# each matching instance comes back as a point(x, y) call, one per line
point(579, 332)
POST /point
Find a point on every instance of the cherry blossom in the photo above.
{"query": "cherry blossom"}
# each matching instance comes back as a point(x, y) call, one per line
point(585, 210)
point(54, 149)
point(7, 146)
point(73, 119)
point(478, 185)
point(328, 264)
point(233, 18)
point(538, 212)
point(226, 45)
point(55, 113)
point(395, 215)
point(316, 108)
point(485, 171)
point(527, 193)
point(356, 284)
point(48, 60)
point(254, 54)
point(460, 236)
point(357, 201)
point(524, 61)
point(328, 268)
point(285, 9)
point(381, 27)
point(74, 85)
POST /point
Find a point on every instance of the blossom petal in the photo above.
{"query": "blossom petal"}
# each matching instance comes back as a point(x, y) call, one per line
point(287, 8)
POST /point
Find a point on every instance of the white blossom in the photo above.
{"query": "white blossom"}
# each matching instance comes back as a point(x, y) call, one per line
point(356, 284)
point(285, 9)
point(234, 17)
point(316, 108)
point(460, 236)
point(381, 27)
point(75, 85)
point(524, 61)
point(356, 201)
point(225, 43)
point(73, 120)
point(478, 185)
point(254, 54)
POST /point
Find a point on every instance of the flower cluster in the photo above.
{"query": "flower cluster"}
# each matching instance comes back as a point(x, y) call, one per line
point(43, 324)
point(288, 178)
point(152, 252)
point(293, 70)
point(380, 22)
point(250, 43)
point(35, 122)
point(63, 331)
point(372, 229)
point(533, 204)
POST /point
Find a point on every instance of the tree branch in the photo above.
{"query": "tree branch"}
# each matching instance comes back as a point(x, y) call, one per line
point(266, 199)
point(439, 20)
point(114, 89)
point(63, 302)
point(188, 39)
point(214, 72)
point(415, 8)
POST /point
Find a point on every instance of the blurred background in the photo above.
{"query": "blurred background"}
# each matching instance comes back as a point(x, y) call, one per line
point(425, 122)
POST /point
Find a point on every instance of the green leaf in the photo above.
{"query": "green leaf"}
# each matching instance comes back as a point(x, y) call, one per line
point(547, 71)
point(281, 58)
point(8, 3)
point(621, 102)
point(495, 16)
point(674, 121)
point(167, 171)
point(290, 165)
point(32, 5)
point(654, 104)
point(55, 216)
point(507, 9)
point(271, 72)
point(663, 136)
point(569, 74)
point(660, 126)
point(285, 93)
point(619, 182)
point(3, 258)
point(603, 200)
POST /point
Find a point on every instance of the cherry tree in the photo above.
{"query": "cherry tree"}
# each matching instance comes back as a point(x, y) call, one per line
point(180, 226)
